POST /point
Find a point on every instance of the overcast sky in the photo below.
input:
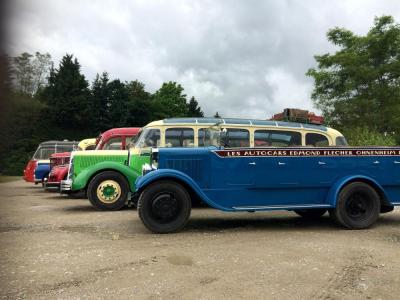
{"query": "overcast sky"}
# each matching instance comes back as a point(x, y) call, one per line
point(240, 58)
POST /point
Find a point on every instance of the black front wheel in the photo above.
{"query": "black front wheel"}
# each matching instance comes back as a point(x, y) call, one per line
point(164, 207)
point(108, 190)
point(357, 207)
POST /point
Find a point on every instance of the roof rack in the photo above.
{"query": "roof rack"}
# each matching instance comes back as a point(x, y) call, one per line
point(298, 115)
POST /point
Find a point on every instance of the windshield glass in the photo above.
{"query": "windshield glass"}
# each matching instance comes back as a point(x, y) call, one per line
point(130, 141)
point(44, 153)
point(149, 137)
point(209, 137)
point(341, 141)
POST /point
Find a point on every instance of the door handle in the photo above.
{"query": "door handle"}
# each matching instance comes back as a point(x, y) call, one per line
point(396, 162)
point(321, 163)
point(281, 163)
point(376, 162)
point(252, 163)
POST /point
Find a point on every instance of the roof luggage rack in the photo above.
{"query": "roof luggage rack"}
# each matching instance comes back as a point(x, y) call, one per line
point(298, 115)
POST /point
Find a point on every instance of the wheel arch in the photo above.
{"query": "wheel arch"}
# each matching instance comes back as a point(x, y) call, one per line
point(84, 178)
point(108, 170)
point(179, 177)
point(338, 187)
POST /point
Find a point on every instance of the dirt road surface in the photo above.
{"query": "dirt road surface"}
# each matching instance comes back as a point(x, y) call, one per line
point(54, 247)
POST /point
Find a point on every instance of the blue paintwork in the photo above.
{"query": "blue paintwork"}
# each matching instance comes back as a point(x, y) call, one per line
point(42, 170)
point(273, 182)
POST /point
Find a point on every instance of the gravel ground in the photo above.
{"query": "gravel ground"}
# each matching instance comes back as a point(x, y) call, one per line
point(57, 247)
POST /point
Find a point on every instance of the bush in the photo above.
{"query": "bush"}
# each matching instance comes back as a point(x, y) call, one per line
point(363, 136)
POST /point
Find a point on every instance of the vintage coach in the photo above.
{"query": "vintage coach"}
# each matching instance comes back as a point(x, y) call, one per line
point(353, 184)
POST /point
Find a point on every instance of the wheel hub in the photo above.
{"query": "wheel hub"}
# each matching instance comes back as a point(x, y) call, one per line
point(357, 206)
point(165, 207)
point(108, 191)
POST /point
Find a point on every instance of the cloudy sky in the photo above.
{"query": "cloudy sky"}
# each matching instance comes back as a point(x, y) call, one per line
point(240, 58)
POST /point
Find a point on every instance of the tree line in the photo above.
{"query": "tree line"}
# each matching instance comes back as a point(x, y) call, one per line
point(45, 102)
point(357, 88)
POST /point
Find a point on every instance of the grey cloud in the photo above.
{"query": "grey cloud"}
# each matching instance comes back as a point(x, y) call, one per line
point(240, 58)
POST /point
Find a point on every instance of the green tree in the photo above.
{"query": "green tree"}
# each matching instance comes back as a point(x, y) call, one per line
point(169, 101)
point(139, 105)
point(217, 115)
point(194, 110)
point(67, 96)
point(359, 85)
point(117, 103)
point(19, 116)
point(100, 94)
point(30, 72)
point(364, 136)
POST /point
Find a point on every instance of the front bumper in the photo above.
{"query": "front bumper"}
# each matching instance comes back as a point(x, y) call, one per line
point(52, 186)
point(65, 186)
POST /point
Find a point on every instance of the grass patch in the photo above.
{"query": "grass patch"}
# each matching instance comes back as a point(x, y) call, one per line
point(4, 178)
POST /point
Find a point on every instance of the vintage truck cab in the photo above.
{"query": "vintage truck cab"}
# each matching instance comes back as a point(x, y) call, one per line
point(353, 184)
point(109, 178)
point(38, 166)
point(111, 146)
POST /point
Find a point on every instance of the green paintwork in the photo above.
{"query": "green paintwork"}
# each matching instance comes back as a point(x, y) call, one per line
point(109, 191)
point(86, 166)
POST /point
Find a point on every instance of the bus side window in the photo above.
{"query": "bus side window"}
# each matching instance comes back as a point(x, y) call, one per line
point(179, 137)
point(276, 138)
point(237, 138)
point(316, 140)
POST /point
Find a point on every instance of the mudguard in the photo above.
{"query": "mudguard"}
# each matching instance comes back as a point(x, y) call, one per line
point(160, 174)
point(336, 188)
point(82, 180)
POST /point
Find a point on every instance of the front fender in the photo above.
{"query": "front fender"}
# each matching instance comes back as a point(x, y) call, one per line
point(58, 173)
point(160, 174)
point(336, 188)
point(81, 181)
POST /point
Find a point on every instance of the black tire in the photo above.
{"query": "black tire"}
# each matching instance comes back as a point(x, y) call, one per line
point(164, 207)
point(117, 191)
point(357, 207)
point(315, 213)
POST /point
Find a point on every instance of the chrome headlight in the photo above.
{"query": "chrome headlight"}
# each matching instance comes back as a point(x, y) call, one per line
point(146, 168)
point(71, 168)
point(154, 158)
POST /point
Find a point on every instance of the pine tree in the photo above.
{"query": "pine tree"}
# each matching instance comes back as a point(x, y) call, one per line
point(217, 115)
point(140, 104)
point(67, 96)
point(194, 110)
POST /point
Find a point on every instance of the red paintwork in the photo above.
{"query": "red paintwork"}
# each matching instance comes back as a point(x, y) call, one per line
point(61, 158)
point(57, 174)
point(29, 171)
point(59, 162)
point(298, 115)
point(106, 135)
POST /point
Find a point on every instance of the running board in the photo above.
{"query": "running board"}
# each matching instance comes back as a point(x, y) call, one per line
point(281, 207)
